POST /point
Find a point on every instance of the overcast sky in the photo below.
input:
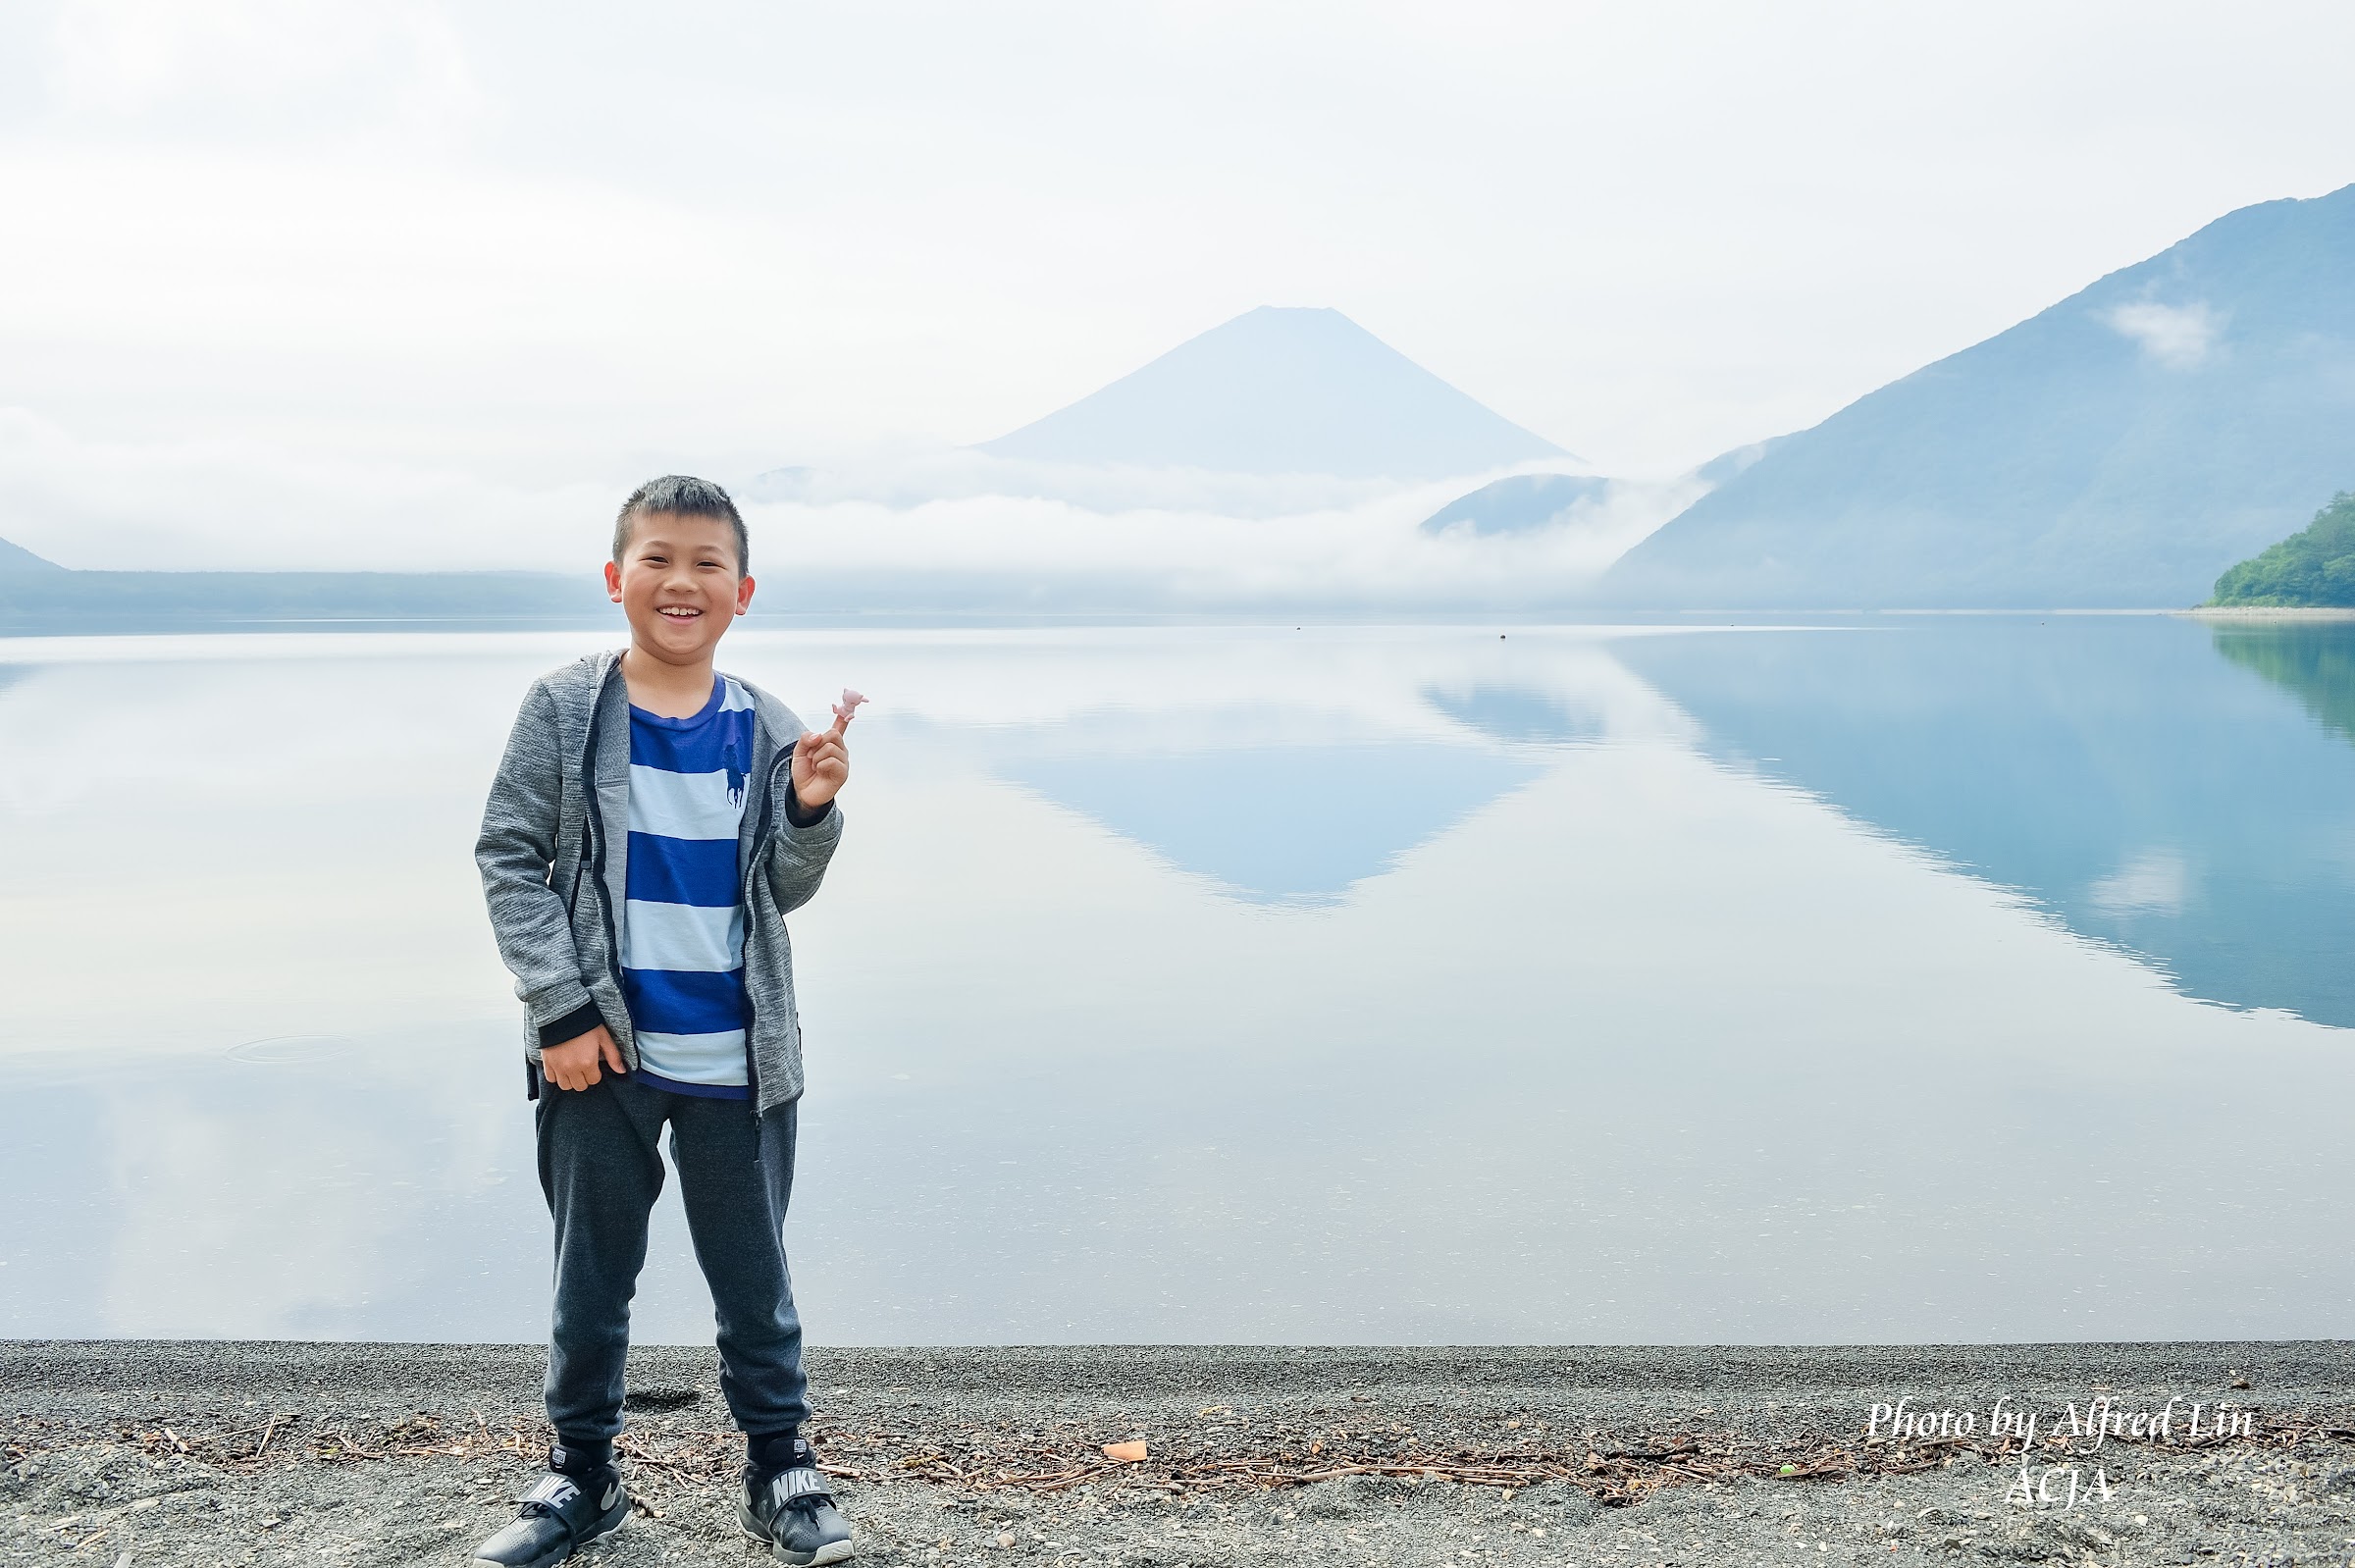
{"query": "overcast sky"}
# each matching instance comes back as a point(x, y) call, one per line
point(320, 271)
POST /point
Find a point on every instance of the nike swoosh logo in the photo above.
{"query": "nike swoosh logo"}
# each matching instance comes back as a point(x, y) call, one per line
point(611, 1492)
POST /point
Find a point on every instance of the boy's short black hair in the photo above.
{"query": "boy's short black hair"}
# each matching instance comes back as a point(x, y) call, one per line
point(682, 495)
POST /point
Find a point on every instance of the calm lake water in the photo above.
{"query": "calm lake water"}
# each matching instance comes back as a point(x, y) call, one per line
point(1896, 979)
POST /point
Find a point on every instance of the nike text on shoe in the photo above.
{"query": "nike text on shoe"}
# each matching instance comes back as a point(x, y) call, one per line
point(793, 1514)
point(557, 1518)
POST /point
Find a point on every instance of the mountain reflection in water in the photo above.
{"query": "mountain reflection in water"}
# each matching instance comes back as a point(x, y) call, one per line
point(1295, 824)
point(2145, 791)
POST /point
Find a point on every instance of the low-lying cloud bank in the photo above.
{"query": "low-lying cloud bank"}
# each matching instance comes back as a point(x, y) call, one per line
point(938, 530)
point(1044, 554)
point(220, 503)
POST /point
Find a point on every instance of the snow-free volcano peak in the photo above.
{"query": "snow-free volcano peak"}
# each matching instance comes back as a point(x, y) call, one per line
point(1282, 391)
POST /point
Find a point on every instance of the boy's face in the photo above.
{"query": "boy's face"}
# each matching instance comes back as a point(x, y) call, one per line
point(678, 584)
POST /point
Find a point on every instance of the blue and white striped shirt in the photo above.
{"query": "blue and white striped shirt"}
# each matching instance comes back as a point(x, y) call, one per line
point(682, 930)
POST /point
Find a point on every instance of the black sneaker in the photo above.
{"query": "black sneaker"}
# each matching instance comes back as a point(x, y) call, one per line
point(792, 1513)
point(564, 1512)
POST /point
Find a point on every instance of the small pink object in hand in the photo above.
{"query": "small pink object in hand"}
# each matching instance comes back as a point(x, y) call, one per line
point(846, 707)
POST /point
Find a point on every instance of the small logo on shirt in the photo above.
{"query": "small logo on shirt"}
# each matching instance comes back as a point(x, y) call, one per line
point(727, 759)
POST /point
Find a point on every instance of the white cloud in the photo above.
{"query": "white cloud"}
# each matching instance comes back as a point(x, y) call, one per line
point(231, 65)
point(2154, 882)
point(250, 504)
point(244, 503)
point(1372, 552)
point(2179, 337)
point(906, 473)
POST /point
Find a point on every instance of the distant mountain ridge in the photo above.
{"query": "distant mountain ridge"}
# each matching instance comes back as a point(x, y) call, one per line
point(16, 560)
point(1282, 391)
point(1517, 503)
point(39, 597)
point(2122, 448)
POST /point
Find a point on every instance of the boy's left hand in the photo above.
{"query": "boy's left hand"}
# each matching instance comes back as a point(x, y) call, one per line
point(822, 765)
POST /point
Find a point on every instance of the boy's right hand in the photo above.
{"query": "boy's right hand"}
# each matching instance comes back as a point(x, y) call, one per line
point(574, 1063)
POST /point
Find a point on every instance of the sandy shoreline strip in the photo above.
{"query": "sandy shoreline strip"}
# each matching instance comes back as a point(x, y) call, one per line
point(215, 1453)
point(2268, 612)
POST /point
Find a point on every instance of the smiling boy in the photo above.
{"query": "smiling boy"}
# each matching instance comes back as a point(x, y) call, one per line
point(651, 824)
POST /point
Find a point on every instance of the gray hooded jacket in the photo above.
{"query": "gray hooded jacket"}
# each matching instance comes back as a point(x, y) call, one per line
point(555, 859)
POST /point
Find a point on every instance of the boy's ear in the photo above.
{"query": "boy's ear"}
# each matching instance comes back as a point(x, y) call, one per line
point(613, 581)
point(744, 595)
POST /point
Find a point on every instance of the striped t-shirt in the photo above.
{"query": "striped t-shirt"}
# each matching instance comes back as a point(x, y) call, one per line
point(682, 930)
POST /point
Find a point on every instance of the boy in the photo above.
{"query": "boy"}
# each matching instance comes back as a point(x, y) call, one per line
point(651, 824)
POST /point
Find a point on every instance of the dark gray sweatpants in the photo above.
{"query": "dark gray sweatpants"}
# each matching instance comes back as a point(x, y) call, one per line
point(602, 1172)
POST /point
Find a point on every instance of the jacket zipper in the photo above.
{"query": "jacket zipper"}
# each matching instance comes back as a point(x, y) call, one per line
point(593, 839)
point(768, 813)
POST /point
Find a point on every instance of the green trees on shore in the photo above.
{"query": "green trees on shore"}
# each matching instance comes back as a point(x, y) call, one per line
point(2315, 568)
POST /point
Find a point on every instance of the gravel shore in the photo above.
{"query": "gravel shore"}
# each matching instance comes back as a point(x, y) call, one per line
point(153, 1453)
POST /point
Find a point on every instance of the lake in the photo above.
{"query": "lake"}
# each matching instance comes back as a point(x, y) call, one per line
point(1943, 978)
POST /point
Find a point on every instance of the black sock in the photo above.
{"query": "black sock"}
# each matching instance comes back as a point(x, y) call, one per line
point(577, 1457)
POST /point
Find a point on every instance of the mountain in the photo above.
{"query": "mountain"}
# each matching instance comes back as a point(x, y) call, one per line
point(1280, 391)
point(2313, 568)
point(51, 601)
point(1517, 503)
point(2120, 449)
point(1725, 465)
point(16, 560)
